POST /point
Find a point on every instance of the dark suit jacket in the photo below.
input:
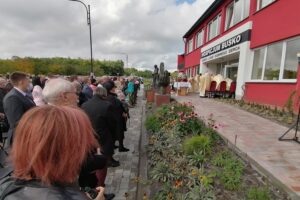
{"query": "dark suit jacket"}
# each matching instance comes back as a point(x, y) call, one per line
point(15, 105)
point(2, 94)
point(100, 112)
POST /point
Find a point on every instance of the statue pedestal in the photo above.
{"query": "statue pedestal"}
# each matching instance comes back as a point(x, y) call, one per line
point(150, 96)
point(161, 99)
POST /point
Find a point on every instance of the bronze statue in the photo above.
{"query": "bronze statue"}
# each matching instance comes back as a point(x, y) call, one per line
point(155, 77)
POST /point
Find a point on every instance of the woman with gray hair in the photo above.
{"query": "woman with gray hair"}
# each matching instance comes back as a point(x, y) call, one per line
point(60, 92)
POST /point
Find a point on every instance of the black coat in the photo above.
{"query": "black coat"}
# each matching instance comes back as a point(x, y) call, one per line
point(29, 190)
point(100, 113)
point(2, 94)
point(15, 105)
point(118, 111)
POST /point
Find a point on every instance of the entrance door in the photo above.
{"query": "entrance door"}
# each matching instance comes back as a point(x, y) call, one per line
point(231, 71)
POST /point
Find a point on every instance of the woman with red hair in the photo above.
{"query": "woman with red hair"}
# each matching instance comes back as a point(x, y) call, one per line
point(50, 145)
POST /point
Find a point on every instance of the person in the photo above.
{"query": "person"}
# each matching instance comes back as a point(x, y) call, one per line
point(38, 96)
point(86, 89)
point(60, 92)
point(81, 97)
point(3, 83)
point(130, 91)
point(100, 112)
point(93, 84)
point(119, 114)
point(125, 105)
point(3, 120)
point(48, 154)
point(17, 101)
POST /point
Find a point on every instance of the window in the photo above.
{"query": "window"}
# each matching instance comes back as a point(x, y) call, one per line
point(237, 11)
point(197, 69)
point(190, 46)
point(214, 27)
point(291, 61)
point(263, 3)
point(200, 36)
point(273, 61)
point(258, 63)
point(277, 61)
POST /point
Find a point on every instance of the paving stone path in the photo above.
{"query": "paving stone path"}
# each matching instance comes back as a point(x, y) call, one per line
point(257, 138)
point(122, 180)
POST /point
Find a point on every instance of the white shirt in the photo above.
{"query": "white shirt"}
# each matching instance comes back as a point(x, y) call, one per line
point(22, 92)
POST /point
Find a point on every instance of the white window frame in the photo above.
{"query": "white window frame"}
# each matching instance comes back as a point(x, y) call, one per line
point(218, 29)
point(282, 63)
point(200, 33)
point(242, 14)
point(258, 3)
point(190, 48)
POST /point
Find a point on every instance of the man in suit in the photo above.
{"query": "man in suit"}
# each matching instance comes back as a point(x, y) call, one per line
point(17, 101)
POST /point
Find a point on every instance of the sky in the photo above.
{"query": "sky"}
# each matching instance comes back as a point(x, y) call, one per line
point(148, 31)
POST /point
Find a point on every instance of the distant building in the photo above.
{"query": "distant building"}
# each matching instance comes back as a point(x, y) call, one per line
point(254, 42)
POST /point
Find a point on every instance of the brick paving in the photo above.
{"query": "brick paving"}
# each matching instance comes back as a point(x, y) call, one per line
point(258, 139)
point(121, 180)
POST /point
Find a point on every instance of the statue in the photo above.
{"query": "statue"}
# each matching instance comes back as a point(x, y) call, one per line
point(164, 76)
point(155, 77)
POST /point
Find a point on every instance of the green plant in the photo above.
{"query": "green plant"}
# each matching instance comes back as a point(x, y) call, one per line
point(197, 143)
point(162, 173)
point(289, 105)
point(207, 180)
point(221, 158)
point(152, 123)
point(199, 192)
point(231, 175)
point(255, 193)
point(197, 158)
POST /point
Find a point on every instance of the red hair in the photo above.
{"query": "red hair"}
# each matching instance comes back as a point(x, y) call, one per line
point(51, 143)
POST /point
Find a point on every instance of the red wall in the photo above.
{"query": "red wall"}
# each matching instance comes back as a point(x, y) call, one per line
point(192, 58)
point(269, 93)
point(180, 59)
point(277, 21)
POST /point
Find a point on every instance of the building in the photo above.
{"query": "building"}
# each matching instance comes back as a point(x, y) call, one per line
point(253, 42)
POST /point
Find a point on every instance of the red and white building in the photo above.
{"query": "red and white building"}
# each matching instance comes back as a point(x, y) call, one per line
point(253, 42)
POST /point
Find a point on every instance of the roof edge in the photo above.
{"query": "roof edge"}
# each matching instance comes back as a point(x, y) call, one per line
point(204, 16)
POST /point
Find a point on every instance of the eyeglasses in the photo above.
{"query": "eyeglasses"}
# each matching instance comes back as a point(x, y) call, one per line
point(72, 93)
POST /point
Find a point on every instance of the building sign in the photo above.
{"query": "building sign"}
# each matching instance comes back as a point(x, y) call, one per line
point(221, 54)
point(236, 40)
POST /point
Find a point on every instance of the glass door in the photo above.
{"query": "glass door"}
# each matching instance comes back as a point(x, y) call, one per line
point(231, 71)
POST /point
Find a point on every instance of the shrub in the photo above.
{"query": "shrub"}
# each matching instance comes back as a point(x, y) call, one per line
point(255, 193)
point(197, 143)
point(152, 123)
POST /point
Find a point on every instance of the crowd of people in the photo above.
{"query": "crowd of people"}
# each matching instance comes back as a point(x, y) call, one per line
point(61, 134)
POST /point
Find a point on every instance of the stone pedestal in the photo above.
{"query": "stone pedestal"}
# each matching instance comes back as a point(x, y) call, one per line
point(161, 99)
point(150, 95)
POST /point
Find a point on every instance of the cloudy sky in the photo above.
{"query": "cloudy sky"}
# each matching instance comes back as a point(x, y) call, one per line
point(149, 31)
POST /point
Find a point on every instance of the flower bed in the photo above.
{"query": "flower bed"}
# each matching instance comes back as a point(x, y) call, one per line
point(188, 160)
point(283, 116)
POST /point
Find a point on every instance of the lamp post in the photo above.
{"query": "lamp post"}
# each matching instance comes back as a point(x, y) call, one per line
point(89, 23)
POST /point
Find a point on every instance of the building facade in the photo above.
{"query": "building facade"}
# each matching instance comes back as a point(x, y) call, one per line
point(253, 42)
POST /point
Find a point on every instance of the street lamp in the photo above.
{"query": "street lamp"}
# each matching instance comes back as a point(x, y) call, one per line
point(89, 23)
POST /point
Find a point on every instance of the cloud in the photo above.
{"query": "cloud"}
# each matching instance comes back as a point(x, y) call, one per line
point(149, 31)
